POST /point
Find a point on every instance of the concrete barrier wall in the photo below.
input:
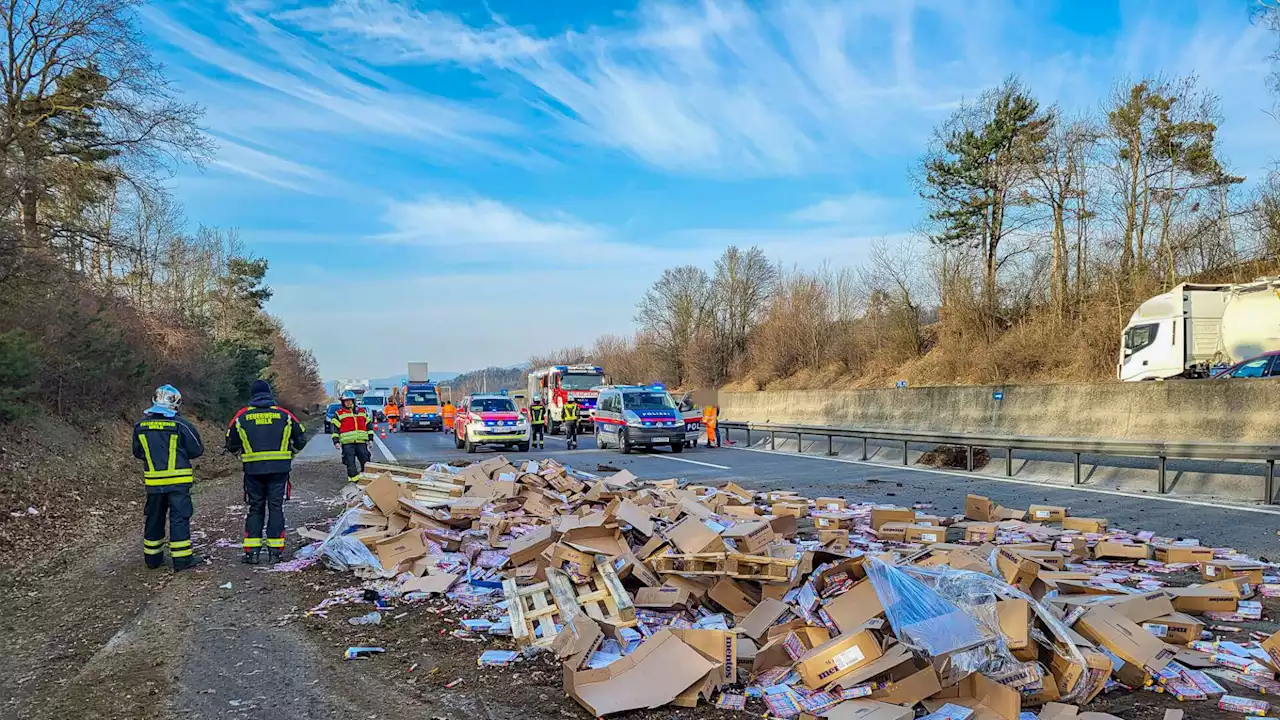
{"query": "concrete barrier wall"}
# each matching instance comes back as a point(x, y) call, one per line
point(1208, 410)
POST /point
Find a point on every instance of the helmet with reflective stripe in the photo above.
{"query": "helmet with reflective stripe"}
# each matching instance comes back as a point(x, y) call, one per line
point(167, 397)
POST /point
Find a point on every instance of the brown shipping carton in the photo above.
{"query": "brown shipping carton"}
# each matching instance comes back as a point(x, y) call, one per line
point(784, 526)
point(718, 645)
point(1214, 570)
point(1272, 646)
point(854, 607)
point(394, 550)
point(911, 689)
point(986, 696)
point(1046, 513)
point(384, 492)
point(1181, 553)
point(863, 710)
point(1140, 608)
point(792, 509)
point(733, 597)
point(1125, 638)
point(925, 534)
point(750, 537)
point(977, 507)
point(1175, 628)
point(830, 521)
point(980, 532)
point(837, 657)
point(652, 676)
point(1016, 570)
point(1196, 600)
point(762, 617)
point(1084, 524)
point(1240, 587)
point(1014, 617)
point(665, 598)
point(1122, 551)
point(895, 659)
point(527, 547)
point(692, 536)
point(830, 504)
point(892, 532)
point(880, 516)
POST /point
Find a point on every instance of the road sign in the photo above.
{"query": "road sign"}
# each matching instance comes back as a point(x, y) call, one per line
point(997, 395)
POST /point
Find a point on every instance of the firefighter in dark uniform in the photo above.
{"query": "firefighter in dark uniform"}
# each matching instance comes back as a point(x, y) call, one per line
point(538, 422)
point(265, 436)
point(166, 443)
point(570, 414)
point(353, 431)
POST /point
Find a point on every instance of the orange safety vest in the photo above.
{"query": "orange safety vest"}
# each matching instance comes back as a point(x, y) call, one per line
point(709, 413)
point(448, 413)
point(391, 410)
point(351, 426)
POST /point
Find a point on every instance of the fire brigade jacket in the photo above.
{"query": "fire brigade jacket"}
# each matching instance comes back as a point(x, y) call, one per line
point(570, 412)
point(266, 436)
point(167, 445)
point(352, 426)
point(538, 414)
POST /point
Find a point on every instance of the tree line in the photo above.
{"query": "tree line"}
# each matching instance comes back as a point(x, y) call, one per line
point(109, 292)
point(1043, 228)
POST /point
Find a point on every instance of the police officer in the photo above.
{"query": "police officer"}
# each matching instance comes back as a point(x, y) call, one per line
point(570, 413)
point(265, 436)
point(538, 422)
point(167, 443)
point(353, 431)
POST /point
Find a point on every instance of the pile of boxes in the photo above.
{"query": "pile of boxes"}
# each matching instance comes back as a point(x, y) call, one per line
point(660, 593)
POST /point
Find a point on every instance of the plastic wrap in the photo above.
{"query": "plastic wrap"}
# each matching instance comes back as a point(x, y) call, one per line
point(345, 552)
point(949, 616)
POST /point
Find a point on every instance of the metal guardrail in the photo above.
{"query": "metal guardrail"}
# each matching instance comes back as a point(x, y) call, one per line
point(1076, 446)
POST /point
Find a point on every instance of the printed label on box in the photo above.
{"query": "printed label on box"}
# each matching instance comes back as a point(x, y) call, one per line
point(1156, 629)
point(1043, 513)
point(848, 658)
point(929, 537)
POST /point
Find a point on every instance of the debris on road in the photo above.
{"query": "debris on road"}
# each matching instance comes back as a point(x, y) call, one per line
point(655, 593)
point(357, 653)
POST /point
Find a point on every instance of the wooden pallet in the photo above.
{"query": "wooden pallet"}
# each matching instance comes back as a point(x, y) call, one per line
point(533, 609)
point(688, 564)
point(759, 567)
point(602, 597)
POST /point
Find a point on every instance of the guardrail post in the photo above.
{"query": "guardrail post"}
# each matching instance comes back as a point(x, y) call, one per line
point(1008, 462)
point(1161, 486)
point(968, 458)
point(831, 451)
point(904, 452)
point(772, 444)
point(799, 442)
point(864, 448)
point(748, 436)
point(1270, 483)
point(1075, 480)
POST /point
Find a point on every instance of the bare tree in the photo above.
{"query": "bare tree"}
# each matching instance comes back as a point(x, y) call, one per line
point(741, 288)
point(673, 311)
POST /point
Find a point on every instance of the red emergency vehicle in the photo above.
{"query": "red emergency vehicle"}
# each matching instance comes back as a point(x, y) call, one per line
point(559, 383)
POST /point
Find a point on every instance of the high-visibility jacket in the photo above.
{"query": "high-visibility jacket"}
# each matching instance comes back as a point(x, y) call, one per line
point(352, 426)
point(448, 413)
point(570, 412)
point(391, 410)
point(538, 414)
point(266, 436)
point(166, 445)
point(709, 416)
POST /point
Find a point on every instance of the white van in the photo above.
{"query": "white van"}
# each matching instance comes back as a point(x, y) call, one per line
point(629, 416)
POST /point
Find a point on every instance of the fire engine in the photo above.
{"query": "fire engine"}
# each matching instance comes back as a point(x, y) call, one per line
point(559, 383)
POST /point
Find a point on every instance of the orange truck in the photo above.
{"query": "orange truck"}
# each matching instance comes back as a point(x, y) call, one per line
point(420, 407)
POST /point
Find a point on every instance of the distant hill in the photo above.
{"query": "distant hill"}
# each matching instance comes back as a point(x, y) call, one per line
point(491, 379)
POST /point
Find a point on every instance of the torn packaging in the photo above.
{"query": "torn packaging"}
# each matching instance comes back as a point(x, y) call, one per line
point(762, 617)
point(733, 596)
point(403, 547)
point(665, 598)
point(526, 548)
point(653, 675)
point(635, 516)
point(863, 710)
point(987, 698)
point(854, 607)
point(1124, 638)
point(750, 537)
point(894, 657)
point(692, 536)
point(720, 646)
point(911, 688)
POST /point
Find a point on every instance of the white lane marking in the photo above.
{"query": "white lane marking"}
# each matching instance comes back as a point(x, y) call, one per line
point(383, 447)
point(685, 460)
point(1041, 485)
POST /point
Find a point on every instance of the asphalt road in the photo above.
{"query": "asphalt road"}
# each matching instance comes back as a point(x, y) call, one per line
point(1253, 530)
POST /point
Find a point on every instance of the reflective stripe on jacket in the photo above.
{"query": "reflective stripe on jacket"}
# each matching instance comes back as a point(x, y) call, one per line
point(570, 412)
point(166, 446)
point(351, 426)
point(266, 436)
point(538, 414)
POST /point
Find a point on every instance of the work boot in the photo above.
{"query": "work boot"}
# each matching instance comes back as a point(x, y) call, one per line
point(251, 557)
point(273, 556)
point(186, 563)
point(154, 561)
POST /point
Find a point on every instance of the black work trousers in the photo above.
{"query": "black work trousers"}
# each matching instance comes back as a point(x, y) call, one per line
point(539, 437)
point(169, 504)
point(354, 456)
point(264, 494)
point(571, 433)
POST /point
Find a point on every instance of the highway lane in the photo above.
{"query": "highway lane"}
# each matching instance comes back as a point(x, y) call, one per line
point(1250, 529)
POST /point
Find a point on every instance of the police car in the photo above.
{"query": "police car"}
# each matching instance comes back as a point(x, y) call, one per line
point(490, 419)
point(629, 416)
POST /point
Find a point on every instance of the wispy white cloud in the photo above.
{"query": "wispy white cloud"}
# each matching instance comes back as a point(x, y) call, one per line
point(272, 169)
point(857, 209)
point(478, 223)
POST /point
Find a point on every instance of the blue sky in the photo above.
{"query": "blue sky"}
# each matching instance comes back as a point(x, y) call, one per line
point(430, 179)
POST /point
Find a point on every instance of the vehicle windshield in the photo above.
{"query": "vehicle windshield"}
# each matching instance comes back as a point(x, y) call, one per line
point(373, 401)
point(333, 408)
point(580, 381)
point(1139, 337)
point(422, 398)
point(492, 405)
point(648, 400)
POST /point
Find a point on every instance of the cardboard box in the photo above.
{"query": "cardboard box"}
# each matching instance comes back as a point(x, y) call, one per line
point(1084, 524)
point(1016, 570)
point(526, 548)
point(977, 507)
point(466, 508)
point(910, 689)
point(980, 532)
point(1046, 513)
point(665, 598)
point(718, 645)
point(690, 535)
point(892, 532)
point(830, 504)
point(863, 709)
point(657, 672)
point(927, 534)
point(1240, 587)
point(750, 537)
point(1014, 617)
point(732, 596)
point(833, 540)
point(790, 509)
point(1182, 553)
point(854, 607)
point(762, 617)
point(837, 657)
point(407, 545)
point(1272, 646)
point(880, 516)
point(1124, 638)
point(1176, 628)
point(784, 526)
point(896, 659)
point(1121, 551)
point(984, 695)
point(1053, 561)
point(828, 521)
point(1196, 600)
point(384, 492)
point(1213, 570)
point(1140, 608)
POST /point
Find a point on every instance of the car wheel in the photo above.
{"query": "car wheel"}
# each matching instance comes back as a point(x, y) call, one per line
point(457, 441)
point(624, 443)
point(600, 443)
point(524, 447)
point(677, 447)
point(470, 446)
